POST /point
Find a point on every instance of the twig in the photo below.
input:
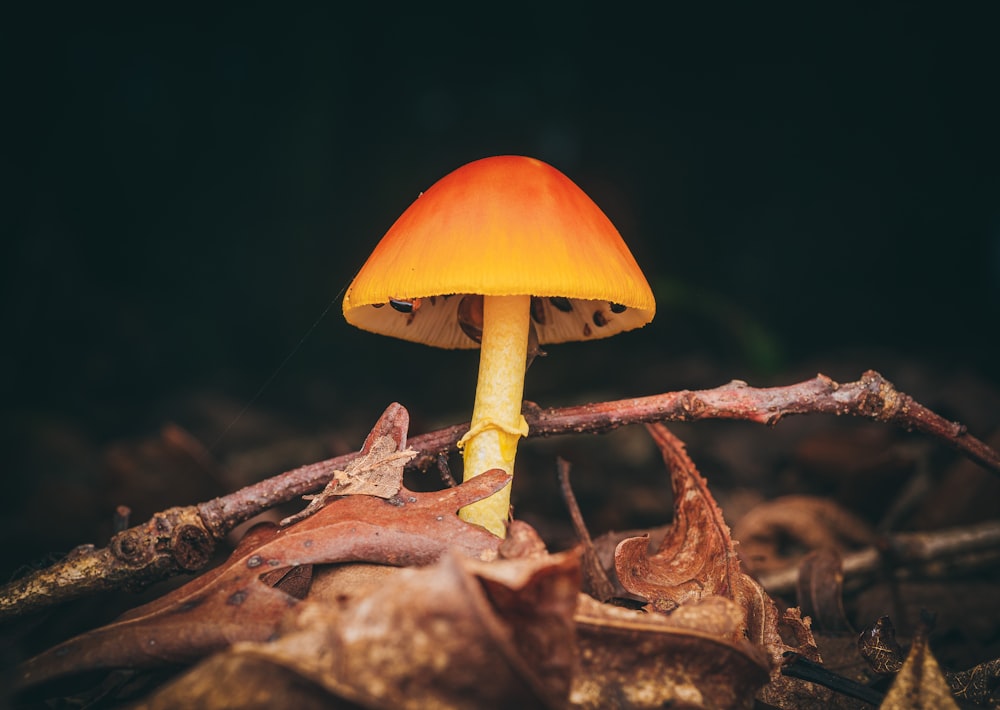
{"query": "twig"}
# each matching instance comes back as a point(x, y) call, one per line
point(871, 397)
point(804, 669)
point(182, 539)
point(936, 552)
point(595, 578)
point(445, 470)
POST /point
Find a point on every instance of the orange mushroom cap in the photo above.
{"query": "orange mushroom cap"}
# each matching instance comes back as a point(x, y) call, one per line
point(501, 226)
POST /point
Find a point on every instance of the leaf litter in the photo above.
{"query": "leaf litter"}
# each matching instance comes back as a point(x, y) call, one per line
point(378, 596)
point(232, 603)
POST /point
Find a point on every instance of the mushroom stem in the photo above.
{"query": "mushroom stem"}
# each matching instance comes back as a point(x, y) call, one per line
point(497, 424)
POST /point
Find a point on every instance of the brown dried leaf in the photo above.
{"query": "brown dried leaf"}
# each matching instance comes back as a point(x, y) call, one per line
point(877, 645)
point(776, 633)
point(535, 598)
point(232, 680)
point(819, 590)
point(696, 657)
point(230, 603)
point(697, 560)
point(696, 557)
point(459, 634)
point(293, 581)
point(800, 523)
point(522, 541)
point(377, 472)
point(203, 616)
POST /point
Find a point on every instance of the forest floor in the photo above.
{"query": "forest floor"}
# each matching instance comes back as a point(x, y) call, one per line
point(810, 483)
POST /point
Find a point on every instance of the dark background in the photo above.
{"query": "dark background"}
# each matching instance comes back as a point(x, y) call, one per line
point(188, 194)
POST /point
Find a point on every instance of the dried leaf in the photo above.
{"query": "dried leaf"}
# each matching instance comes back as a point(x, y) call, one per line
point(199, 618)
point(797, 522)
point(459, 634)
point(696, 657)
point(234, 680)
point(697, 560)
point(377, 472)
point(877, 645)
point(920, 683)
point(976, 684)
point(293, 581)
point(820, 590)
point(522, 541)
point(782, 636)
point(777, 633)
point(230, 603)
point(696, 557)
point(535, 598)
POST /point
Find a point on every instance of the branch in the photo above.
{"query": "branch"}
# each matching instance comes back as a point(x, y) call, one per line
point(183, 539)
point(920, 554)
point(871, 397)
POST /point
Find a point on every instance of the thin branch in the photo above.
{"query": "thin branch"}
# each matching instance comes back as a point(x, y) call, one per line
point(805, 669)
point(871, 397)
point(596, 582)
point(182, 539)
point(930, 553)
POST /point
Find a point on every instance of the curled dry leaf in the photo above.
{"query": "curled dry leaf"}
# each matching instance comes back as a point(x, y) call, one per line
point(231, 603)
point(697, 560)
point(458, 634)
point(812, 523)
point(820, 588)
point(696, 557)
point(877, 645)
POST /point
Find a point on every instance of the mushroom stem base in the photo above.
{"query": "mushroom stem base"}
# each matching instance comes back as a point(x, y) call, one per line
point(497, 424)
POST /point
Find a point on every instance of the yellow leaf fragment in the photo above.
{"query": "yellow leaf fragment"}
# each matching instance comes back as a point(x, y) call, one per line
point(920, 682)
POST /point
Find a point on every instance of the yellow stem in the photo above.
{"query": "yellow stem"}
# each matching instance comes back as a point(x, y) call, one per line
point(497, 424)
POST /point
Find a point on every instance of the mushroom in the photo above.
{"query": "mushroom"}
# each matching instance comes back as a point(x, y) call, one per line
point(496, 253)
